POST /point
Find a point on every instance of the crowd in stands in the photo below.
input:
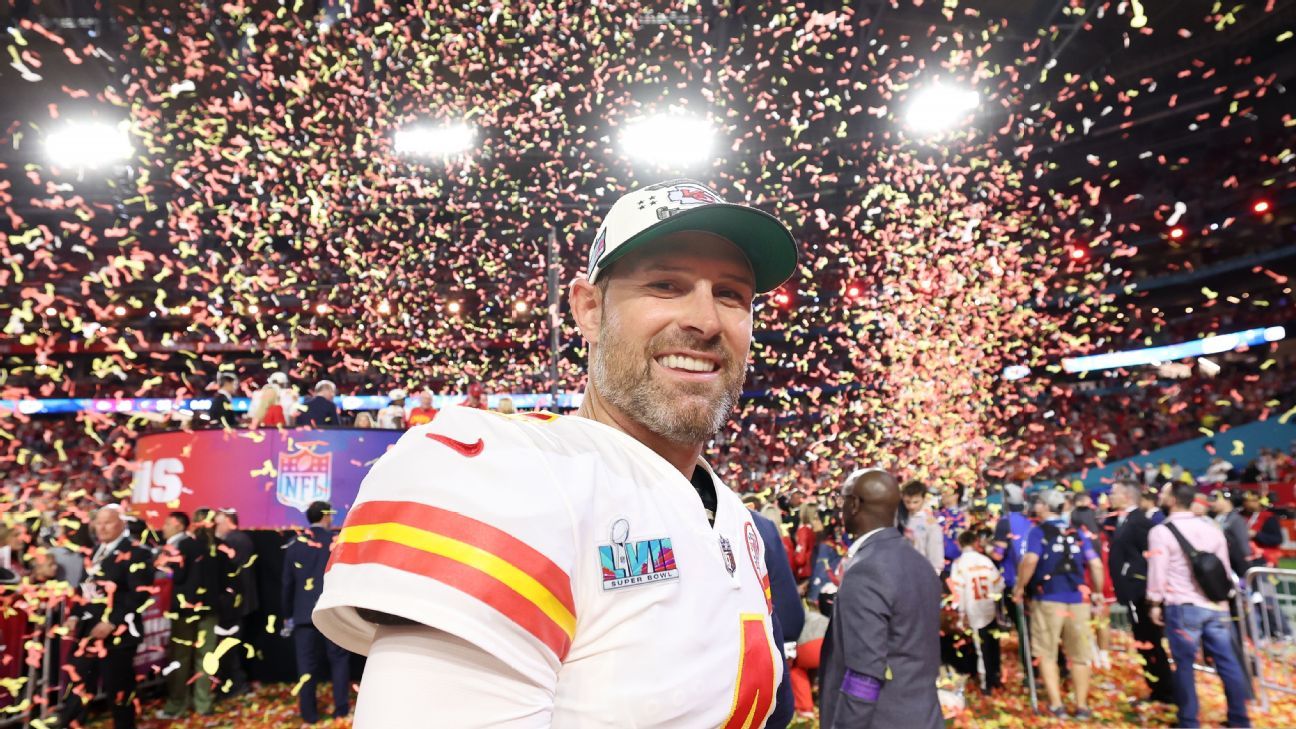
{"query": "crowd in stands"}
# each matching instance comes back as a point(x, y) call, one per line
point(1093, 427)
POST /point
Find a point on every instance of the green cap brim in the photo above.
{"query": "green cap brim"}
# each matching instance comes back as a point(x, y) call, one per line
point(767, 243)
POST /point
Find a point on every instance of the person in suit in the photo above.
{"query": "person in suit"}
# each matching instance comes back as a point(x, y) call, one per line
point(882, 652)
point(788, 615)
point(221, 414)
point(1129, 526)
point(306, 557)
point(198, 566)
point(242, 581)
point(106, 622)
point(320, 408)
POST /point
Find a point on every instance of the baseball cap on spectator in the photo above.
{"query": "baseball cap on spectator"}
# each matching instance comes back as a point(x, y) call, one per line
point(397, 394)
point(1013, 495)
point(278, 378)
point(651, 213)
point(1054, 500)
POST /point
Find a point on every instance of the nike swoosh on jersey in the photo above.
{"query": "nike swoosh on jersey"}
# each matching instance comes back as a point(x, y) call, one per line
point(471, 450)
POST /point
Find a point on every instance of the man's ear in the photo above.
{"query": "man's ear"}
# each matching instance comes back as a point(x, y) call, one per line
point(586, 301)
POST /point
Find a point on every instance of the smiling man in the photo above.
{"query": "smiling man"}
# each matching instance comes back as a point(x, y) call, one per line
point(537, 570)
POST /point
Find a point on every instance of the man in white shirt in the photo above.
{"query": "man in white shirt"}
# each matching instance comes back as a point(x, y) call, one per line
point(533, 570)
point(392, 417)
point(977, 585)
point(921, 528)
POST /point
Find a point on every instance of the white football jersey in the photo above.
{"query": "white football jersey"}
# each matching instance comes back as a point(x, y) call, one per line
point(977, 586)
point(575, 554)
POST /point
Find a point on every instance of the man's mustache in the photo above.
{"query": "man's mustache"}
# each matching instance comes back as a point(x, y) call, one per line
point(711, 347)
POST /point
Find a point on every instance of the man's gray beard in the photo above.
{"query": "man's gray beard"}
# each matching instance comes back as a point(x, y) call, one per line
point(634, 392)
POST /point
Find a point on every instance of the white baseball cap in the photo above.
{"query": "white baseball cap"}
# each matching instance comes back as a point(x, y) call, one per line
point(278, 378)
point(397, 394)
point(650, 213)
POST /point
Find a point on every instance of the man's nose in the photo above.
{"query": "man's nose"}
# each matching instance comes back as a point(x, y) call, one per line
point(700, 312)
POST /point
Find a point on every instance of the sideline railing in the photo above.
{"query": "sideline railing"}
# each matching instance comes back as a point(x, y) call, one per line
point(33, 651)
point(1270, 609)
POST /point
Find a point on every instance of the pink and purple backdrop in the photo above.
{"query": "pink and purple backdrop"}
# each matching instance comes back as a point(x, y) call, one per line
point(269, 476)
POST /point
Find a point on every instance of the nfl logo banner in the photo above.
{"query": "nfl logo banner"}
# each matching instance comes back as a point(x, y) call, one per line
point(305, 476)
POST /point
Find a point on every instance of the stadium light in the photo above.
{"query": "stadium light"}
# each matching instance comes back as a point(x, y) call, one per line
point(454, 307)
point(939, 107)
point(88, 144)
point(1260, 207)
point(669, 140)
point(445, 140)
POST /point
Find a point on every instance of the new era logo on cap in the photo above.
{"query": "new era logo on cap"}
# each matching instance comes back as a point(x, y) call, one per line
point(679, 205)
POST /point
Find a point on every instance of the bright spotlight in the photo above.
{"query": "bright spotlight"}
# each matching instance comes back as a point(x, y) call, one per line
point(453, 307)
point(939, 107)
point(669, 140)
point(88, 144)
point(445, 140)
point(520, 307)
point(1260, 207)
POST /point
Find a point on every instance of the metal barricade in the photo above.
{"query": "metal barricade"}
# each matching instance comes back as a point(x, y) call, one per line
point(35, 701)
point(1270, 608)
point(42, 681)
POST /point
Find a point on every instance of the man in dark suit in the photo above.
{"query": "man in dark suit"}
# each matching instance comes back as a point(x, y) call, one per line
point(242, 580)
point(788, 616)
point(107, 624)
point(221, 414)
point(1127, 560)
point(198, 567)
point(882, 652)
point(304, 562)
point(320, 408)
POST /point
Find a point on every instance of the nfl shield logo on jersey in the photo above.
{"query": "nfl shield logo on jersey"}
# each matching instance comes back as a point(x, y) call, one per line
point(304, 476)
point(726, 549)
point(626, 563)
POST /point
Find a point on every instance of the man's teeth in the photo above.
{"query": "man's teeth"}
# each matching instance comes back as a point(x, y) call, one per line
point(688, 364)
